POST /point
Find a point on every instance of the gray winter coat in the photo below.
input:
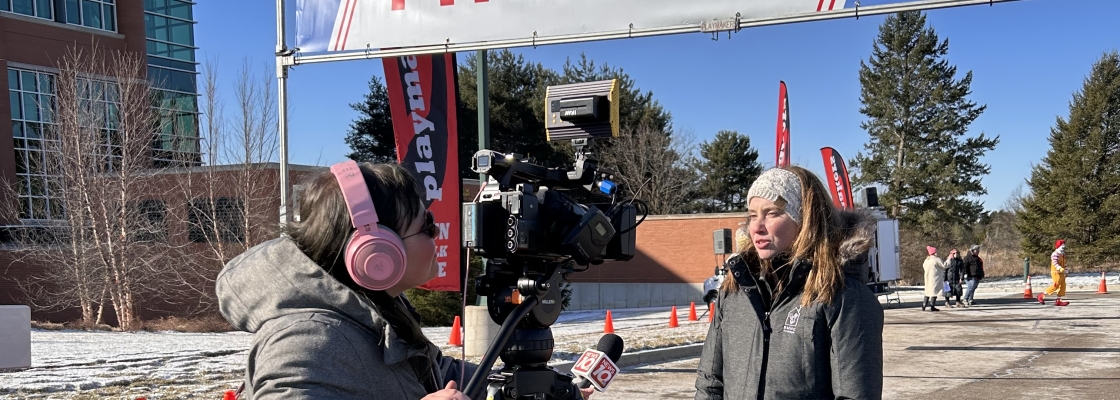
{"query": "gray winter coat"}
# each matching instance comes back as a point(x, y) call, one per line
point(784, 351)
point(316, 338)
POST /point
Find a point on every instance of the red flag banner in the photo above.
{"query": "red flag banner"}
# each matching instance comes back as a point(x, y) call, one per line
point(781, 153)
point(422, 99)
point(837, 178)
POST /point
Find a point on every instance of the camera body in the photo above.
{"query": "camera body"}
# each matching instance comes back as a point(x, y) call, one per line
point(530, 225)
point(523, 212)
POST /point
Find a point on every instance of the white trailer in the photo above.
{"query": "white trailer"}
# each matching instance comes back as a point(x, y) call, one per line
point(884, 258)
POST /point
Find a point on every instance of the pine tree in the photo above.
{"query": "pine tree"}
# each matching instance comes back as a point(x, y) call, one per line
point(1075, 190)
point(516, 96)
point(371, 135)
point(728, 165)
point(917, 116)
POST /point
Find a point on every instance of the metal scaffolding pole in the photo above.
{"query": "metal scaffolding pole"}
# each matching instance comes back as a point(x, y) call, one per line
point(282, 53)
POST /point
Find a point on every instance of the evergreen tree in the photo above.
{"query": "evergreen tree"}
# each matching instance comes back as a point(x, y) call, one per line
point(371, 135)
point(917, 116)
point(516, 97)
point(728, 166)
point(1075, 190)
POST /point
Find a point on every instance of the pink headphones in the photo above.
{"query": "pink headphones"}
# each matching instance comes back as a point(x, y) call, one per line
point(375, 255)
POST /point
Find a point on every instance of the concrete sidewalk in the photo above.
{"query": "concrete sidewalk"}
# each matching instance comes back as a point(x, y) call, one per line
point(1001, 348)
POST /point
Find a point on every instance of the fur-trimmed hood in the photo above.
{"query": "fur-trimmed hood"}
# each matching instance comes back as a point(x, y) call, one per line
point(858, 228)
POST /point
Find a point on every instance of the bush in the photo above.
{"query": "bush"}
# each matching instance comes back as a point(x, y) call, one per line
point(440, 308)
point(208, 323)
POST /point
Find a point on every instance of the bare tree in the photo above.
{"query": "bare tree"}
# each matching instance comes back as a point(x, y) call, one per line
point(655, 167)
point(102, 237)
point(229, 197)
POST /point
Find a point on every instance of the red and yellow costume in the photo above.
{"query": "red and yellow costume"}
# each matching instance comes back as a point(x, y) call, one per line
point(1058, 270)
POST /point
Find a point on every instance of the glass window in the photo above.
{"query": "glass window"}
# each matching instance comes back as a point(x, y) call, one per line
point(174, 8)
point(91, 14)
point(35, 8)
point(43, 9)
point(110, 18)
point(73, 12)
point(13, 99)
point(32, 105)
point(29, 80)
point(25, 7)
point(99, 14)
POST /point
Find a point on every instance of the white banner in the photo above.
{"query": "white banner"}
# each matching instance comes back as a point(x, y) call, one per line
point(343, 25)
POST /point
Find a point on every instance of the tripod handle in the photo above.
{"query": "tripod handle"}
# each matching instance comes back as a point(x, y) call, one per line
point(476, 384)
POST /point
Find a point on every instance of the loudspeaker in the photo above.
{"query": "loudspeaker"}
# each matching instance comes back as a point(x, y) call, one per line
point(871, 197)
point(722, 239)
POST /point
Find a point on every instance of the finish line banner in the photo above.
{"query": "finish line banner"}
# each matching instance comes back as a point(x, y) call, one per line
point(346, 25)
point(422, 100)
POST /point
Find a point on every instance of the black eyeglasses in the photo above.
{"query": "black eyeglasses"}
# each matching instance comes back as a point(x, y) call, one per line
point(430, 226)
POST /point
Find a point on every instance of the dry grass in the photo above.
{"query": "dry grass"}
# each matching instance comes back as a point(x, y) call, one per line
point(55, 326)
point(206, 324)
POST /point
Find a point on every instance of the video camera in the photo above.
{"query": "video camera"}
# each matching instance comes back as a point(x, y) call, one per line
point(529, 226)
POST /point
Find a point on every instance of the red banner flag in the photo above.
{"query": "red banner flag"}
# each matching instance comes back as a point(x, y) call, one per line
point(423, 98)
point(782, 143)
point(837, 178)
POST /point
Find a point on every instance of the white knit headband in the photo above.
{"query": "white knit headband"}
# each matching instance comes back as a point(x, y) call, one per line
point(779, 183)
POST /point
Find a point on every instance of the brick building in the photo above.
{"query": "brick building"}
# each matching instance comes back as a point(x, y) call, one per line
point(35, 35)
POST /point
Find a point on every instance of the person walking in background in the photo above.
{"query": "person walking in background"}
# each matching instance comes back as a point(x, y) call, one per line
point(1058, 272)
point(935, 279)
point(954, 277)
point(974, 267)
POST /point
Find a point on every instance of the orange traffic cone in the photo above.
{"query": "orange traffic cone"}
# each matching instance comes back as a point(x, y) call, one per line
point(1027, 291)
point(609, 326)
point(711, 311)
point(673, 318)
point(230, 395)
point(692, 312)
point(1104, 288)
point(456, 338)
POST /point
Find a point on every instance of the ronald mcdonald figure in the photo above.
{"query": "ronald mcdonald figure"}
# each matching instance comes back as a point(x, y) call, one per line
point(1058, 272)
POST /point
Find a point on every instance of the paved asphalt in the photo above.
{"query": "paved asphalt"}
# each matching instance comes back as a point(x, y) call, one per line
point(1001, 348)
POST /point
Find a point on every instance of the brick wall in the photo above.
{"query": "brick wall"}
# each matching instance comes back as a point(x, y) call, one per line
point(670, 249)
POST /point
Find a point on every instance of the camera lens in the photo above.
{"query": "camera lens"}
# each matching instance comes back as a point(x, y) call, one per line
point(510, 233)
point(510, 246)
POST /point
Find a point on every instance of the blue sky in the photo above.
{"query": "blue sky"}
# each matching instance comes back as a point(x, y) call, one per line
point(1027, 58)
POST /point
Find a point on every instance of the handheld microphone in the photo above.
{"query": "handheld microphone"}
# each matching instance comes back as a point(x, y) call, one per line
point(597, 367)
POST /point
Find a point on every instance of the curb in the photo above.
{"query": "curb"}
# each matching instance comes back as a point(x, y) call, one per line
point(647, 356)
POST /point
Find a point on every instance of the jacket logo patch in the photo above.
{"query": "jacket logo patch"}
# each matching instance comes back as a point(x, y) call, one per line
point(791, 320)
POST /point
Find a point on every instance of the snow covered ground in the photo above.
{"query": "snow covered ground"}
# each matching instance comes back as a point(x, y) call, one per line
point(171, 365)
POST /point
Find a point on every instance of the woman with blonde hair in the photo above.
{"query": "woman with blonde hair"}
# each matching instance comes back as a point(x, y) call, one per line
point(796, 319)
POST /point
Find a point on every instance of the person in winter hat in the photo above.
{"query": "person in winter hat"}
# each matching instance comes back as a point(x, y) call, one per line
point(795, 319)
point(935, 279)
point(1058, 272)
point(326, 327)
point(954, 276)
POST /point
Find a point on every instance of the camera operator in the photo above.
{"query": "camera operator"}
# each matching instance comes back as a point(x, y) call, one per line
point(325, 328)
